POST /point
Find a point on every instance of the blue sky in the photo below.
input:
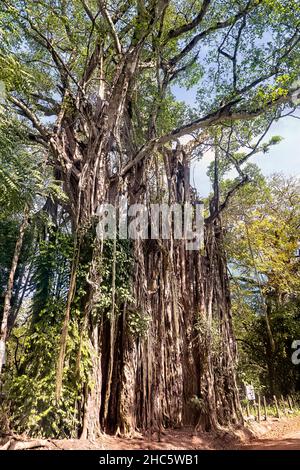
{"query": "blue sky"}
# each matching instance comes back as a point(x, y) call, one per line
point(282, 158)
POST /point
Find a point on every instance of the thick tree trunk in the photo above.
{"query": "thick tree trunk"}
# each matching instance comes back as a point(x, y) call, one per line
point(148, 380)
point(163, 371)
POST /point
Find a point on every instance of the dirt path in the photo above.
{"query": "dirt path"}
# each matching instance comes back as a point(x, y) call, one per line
point(288, 442)
point(283, 435)
point(271, 435)
point(180, 439)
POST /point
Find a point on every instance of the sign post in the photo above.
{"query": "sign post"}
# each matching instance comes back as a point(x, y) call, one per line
point(250, 394)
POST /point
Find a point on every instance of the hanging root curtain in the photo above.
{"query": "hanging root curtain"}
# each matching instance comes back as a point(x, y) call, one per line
point(166, 357)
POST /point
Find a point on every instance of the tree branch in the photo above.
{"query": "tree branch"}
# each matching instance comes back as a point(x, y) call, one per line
point(228, 196)
point(31, 116)
point(222, 115)
point(174, 33)
point(251, 5)
point(112, 26)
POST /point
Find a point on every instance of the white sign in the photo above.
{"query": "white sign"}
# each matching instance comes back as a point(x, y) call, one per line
point(250, 394)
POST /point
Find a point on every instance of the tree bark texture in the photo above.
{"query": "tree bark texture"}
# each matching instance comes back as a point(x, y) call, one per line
point(146, 381)
point(149, 381)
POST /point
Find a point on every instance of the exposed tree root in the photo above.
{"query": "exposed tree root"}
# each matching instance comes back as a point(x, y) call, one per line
point(16, 443)
point(130, 434)
point(5, 446)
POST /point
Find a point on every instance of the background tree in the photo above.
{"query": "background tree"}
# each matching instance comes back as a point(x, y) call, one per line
point(262, 245)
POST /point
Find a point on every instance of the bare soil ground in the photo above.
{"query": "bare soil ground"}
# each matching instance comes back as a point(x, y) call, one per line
point(171, 440)
point(271, 435)
point(281, 435)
